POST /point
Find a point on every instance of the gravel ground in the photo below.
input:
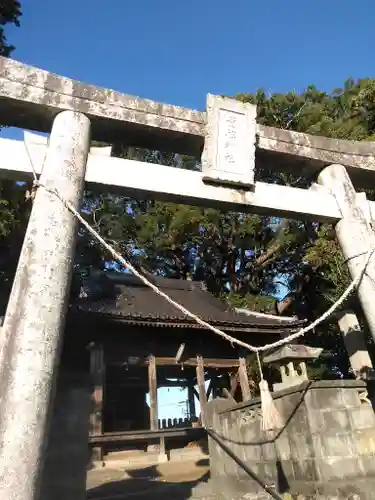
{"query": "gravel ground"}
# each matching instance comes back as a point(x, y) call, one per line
point(176, 480)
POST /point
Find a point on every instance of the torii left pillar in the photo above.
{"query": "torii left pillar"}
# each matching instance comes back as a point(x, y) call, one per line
point(35, 317)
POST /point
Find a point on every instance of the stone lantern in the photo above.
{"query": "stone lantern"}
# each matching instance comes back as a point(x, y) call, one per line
point(291, 361)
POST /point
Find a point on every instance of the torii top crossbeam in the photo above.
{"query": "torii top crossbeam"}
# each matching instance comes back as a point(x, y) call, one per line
point(31, 97)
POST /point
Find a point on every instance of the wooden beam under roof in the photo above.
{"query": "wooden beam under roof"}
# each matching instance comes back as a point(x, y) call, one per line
point(208, 362)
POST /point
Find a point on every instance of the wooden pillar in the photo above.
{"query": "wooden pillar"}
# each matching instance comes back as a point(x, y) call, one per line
point(97, 373)
point(209, 389)
point(355, 344)
point(191, 400)
point(233, 383)
point(153, 390)
point(35, 318)
point(201, 388)
point(163, 455)
point(244, 380)
point(216, 389)
point(228, 395)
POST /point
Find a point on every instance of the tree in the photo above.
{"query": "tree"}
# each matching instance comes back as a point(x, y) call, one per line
point(242, 257)
point(238, 254)
point(14, 209)
point(10, 13)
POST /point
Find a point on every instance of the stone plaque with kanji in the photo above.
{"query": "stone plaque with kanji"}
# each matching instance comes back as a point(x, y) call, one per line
point(229, 152)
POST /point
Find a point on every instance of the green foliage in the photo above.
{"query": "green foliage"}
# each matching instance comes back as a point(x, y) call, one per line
point(260, 303)
point(10, 12)
point(14, 214)
point(239, 256)
point(14, 209)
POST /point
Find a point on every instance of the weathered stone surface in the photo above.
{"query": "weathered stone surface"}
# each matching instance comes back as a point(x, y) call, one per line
point(355, 343)
point(289, 352)
point(331, 398)
point(35, 318)
point(290, 360)
point(301, 445)
point(334, 468)
point(368, 464)
point(333, 443)
point(183, 186)
point(364, 441)
point(32, 97)
point(321, 421)
point(355, 235)
point(325, 451)
point(304, 470)
point(229, 149)
point(38, 96)
point(362, 417)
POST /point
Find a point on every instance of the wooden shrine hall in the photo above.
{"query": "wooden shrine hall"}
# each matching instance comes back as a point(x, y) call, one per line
point(134, 342)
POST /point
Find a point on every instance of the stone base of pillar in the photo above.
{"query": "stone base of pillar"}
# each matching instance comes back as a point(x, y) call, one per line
point(97, 464)
point(163, 455)
point(160, 448)
point(163, 458)
point(153, 448)
point(97, 454)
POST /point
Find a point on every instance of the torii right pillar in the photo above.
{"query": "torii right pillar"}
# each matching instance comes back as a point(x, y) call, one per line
point(355, 236)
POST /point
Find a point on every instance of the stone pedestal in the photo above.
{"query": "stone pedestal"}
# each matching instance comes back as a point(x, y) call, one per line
point(291, 359)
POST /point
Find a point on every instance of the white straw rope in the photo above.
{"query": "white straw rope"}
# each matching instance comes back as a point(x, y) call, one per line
point(180, 307)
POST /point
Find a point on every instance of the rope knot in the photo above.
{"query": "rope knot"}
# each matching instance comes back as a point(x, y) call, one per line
point(30, 195)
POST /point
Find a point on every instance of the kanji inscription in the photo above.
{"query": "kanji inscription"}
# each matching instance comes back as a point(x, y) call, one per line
point(232, 128)
point(229, 154)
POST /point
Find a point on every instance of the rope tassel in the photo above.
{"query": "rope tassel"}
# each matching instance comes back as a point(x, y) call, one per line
point(271, 418)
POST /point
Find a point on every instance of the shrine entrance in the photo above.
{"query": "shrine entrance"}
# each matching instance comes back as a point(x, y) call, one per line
point(230, 144)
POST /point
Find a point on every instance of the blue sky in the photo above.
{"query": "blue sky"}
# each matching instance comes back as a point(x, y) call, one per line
point(176, 52)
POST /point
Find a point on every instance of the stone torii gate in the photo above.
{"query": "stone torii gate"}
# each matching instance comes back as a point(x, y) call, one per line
point(233, 146)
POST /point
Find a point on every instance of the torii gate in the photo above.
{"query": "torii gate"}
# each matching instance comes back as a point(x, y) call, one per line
point(233, 145)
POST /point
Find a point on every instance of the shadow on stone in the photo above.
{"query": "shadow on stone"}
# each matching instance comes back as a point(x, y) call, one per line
point(282, 482)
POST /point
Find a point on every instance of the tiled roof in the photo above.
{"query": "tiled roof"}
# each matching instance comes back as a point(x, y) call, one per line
point(125, 297)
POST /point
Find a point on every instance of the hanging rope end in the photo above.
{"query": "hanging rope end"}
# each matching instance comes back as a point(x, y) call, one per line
point(271, 418)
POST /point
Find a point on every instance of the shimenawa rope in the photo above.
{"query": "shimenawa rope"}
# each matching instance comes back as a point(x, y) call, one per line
point(270, 417)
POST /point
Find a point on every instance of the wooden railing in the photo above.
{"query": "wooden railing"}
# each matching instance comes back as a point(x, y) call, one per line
point(172, 423)
point(146, 435)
